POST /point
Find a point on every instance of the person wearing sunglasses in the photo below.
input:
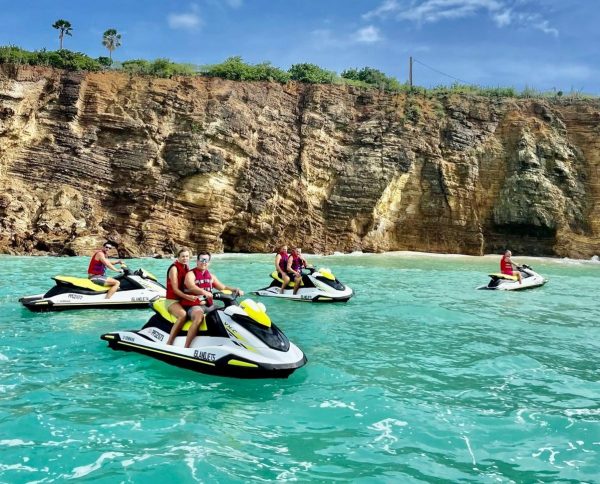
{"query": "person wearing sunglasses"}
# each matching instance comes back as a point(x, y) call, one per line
point(97, 269)
point(200, 283)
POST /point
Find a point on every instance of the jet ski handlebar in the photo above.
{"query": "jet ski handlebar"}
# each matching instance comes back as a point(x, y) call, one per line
point(228, 299)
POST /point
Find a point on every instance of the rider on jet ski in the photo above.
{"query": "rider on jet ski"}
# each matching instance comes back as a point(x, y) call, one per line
point(507, 265)
point(199, 282)
point(97, 269)
point(282, 265)
point(295, 265)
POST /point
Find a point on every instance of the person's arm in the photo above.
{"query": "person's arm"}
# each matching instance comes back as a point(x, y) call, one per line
point(108, 264)
point(289, 266)
point(277, 260)
point(221, 287)
point(178, 292)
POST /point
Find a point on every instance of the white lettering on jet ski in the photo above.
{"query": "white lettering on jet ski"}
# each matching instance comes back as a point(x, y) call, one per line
point(203, 355)
point(75, 296)
point(139, 299)
point(157, 335)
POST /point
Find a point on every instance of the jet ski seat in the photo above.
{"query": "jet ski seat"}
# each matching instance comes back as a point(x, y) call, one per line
point(80, 282)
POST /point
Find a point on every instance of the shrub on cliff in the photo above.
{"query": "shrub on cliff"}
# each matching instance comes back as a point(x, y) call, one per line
point(313, 74)
point(369, 77)
point(63, 59)
point(235, 69)
point(158, 67)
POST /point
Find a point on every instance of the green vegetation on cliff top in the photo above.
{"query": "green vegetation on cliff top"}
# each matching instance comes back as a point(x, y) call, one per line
point(234, 68)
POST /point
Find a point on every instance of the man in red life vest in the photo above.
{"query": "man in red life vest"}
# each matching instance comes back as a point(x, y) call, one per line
point(199, 282)
point(175, 294)
point(507, 265)
point(295, 265)
point(97, 269)
point(281, 263)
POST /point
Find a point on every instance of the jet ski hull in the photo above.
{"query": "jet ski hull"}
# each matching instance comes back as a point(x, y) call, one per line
point(136, 291)
point(529, 280)
point(316, 287)
point(230, 343)
point(208, 359)
point(308, 295)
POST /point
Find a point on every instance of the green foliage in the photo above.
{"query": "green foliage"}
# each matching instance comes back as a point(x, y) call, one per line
point(312, 74)
point(158, 68)
point(104, 61)
point(235, 69)
point(372, 77)
point(62, 59)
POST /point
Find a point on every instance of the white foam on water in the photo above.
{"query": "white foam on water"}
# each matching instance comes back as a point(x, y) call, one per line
point(338, 404)
point(15, 443)
point(83, 471)
point(587, 412)
point(466, 439)
point(387, 437)
point(3, 357)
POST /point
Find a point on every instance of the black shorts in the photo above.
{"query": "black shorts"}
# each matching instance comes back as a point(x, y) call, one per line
point(292, 276)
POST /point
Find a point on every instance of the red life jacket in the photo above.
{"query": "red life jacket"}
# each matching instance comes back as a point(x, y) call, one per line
point(202, 279)
point(283, 261)
point(181, 272)
point(297, 263)
point(505, 266)
point(96, 267)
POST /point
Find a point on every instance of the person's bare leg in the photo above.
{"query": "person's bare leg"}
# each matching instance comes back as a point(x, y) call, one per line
point(286, 281)
point(176, 310)
point(114, 287)
point(297, 282)
point(197, 318)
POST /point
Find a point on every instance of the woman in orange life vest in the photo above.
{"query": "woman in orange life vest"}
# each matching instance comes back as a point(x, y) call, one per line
point(199, 282)
point(507, 265)
point(295, 265)
point(97, 269)
point(175, 295)
point(281, 262)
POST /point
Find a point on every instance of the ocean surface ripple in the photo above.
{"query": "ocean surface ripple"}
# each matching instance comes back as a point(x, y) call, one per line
point(419, 378)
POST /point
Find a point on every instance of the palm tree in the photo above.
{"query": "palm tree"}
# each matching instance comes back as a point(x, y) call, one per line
point(65, 29)
point(111, 40)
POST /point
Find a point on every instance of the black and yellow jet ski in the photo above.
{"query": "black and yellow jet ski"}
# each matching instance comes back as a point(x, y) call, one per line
point(135, 291)
point(316, 286)
point(233, 340)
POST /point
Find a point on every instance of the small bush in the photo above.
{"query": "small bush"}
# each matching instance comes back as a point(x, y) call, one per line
point(235, 69)
point(312, 74)
point(372, 77)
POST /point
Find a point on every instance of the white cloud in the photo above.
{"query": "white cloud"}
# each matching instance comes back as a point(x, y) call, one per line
point(188, 20)
point(502, 19)
point(502, 12)
point(368, 35)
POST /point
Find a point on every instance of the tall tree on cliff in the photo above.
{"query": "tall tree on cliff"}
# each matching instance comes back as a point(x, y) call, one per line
point(64, 26)
point(111, 40)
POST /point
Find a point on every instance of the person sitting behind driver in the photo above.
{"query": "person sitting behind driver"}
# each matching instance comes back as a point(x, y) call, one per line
point(294, 269)
point(507, 266)
point(200, 282)
point(97, 269)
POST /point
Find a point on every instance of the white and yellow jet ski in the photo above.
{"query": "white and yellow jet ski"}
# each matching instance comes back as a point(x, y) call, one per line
point(504, 282)
point(316, 286)
point(137, 289)
point(237, 341)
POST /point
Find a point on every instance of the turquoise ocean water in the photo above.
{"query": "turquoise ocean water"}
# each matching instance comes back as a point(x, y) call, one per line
point(419, 378)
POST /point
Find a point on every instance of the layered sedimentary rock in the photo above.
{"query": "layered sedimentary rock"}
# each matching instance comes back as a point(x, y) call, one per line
point(243, 166)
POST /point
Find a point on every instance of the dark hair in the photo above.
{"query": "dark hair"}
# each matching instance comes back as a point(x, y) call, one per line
point(204, 252)
point(182, 249)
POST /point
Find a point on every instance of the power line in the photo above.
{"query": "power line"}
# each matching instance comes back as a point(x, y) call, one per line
point(442, 73)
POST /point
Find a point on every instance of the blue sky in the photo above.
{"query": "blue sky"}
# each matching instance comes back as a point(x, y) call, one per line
point(544, 44)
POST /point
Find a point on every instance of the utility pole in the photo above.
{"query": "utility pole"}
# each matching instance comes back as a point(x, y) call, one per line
point(410, 72)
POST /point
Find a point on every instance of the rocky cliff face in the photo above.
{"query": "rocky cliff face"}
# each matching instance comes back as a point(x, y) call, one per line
point(157, 163)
